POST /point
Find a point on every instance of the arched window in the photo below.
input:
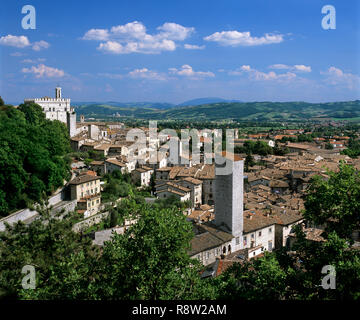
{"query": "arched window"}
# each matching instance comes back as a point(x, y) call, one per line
point(229, 248)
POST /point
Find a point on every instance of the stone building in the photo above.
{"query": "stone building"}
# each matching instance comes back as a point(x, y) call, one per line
point(57, 108)
point(85, 189)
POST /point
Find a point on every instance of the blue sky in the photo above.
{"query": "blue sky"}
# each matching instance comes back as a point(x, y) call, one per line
point(172, 51)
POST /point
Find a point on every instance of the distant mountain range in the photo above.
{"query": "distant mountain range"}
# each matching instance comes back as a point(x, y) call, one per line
point(200, 101)
point(155, 105)
point(254, 111)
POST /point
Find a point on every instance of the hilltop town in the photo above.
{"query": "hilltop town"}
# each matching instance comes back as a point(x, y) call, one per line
point(235, 217)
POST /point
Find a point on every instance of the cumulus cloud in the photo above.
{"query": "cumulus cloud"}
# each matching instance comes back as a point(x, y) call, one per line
point(262, 76)
point(23, 42)
point(15, 41)
point(236, 38)
point(37, 46)
point(336, 76)
point(296, 67)
point(188, 71)
point(133, 37)
point(43, 71)
point(193, 47)
point(145, 73)
point(96, 34)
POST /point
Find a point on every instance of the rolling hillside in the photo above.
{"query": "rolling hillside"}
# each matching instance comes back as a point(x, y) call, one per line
point(258, 111)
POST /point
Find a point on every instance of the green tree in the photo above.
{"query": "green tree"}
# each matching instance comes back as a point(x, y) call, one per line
point(64, 261)
point(335, 202)
point(156, 248)
point(32, 156)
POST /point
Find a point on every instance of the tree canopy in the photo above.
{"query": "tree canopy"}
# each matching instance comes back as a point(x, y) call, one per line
point(149, 261)
point(32, 156)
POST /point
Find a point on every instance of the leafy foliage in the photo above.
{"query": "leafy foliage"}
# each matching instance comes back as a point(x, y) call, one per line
point(32, 150)
point(149, 261)
point(298, 275)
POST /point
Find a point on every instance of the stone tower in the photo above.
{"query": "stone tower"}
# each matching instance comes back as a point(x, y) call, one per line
point(229, 198)
point(71, 123)
point(58, 93)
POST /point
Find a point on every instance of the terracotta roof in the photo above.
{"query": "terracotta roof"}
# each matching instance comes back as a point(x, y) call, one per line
point(97, 163)
point(193, 180)
point(103, 147)
point(278, 184)
point(170, 190)
point(254, 220)
point(207, 237)
point(116, 162)
point(83, 179)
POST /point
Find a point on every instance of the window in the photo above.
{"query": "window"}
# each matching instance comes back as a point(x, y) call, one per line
point(252, 236)
point(270, 230)
point(245, 241)
point(207, 255)
point(259, 233)
point(237, 240)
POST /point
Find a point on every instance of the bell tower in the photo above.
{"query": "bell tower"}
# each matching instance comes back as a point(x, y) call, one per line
point(58, 92)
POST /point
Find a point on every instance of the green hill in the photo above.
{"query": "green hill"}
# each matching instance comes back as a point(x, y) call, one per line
point(258, 111)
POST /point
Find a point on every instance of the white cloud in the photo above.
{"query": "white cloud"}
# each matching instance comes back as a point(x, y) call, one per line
point(188, 71)
point(145, 73)
point(336, 76)
point(302, 68)
point(96, 34)
point(193, 47)
point(279, 66)
point(15, 41)
point(296, 67)
point(33, 60)
point(236, 38)
point(174, 31)
point(262, 76)
point(109, 75)
point(22, 42)
point(42, 70)
point(37, 46)
point(133, 37)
